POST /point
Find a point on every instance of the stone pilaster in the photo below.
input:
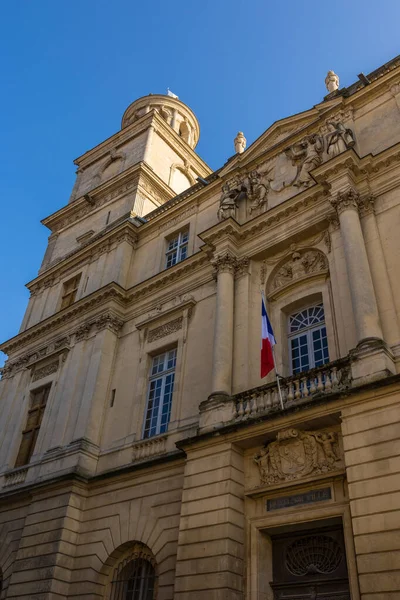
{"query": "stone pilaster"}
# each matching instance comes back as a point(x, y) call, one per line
point(44, 561)
point(210, 558)
point(377, 262)
point(372, 358)
point(362, 291)
point(225, 266)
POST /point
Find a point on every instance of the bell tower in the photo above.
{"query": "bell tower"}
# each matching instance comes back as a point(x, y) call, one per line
point(155, 146)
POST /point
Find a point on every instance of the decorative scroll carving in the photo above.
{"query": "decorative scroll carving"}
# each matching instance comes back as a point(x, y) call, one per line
point(163, 330)
point(349, 199)
point(299, 265)
point(45, 371)
point(296, 454)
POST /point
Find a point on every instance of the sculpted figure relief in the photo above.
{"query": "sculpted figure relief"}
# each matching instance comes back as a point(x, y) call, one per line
point(296, 454)
point(258, 188)
point(308, 155)
point(292, 167)
point(338, 139)
point(228, 201)
point(297, 266)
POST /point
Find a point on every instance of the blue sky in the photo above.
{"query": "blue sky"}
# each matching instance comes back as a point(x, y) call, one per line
point(70, 68)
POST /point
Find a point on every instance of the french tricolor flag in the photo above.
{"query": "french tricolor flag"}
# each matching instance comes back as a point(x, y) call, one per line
point(267, 342)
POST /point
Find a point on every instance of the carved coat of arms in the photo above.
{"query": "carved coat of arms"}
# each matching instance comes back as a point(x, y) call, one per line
point(296, 454)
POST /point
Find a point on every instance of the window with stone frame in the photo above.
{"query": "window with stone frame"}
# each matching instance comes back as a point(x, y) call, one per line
point(159, 396)
point(135, 576)
point(177, 248)
point(37, 405)
point(69, 292)
point(308, 342)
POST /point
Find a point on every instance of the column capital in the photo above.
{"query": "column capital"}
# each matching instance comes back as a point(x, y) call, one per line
point(225, 263)
point(346, 200)
point(242, 266)
point(366, 205)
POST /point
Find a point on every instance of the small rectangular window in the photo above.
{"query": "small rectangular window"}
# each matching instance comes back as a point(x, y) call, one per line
point(177, 248)
point(70, 289)
point(37, 406)
point(159, 398)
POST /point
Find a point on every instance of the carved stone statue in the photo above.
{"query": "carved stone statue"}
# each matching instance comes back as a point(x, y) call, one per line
point(308, 155)
point(240, 143)
point(338, 139)
point(262, 460)
point(296, 454)
point(228, 201)
point(327, 440)
point(257, 193)
point(332, 81)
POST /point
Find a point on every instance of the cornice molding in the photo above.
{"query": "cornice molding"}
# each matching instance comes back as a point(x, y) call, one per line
point(139, 175)
point(114, 141)
point(105, 241)
point(109, 293)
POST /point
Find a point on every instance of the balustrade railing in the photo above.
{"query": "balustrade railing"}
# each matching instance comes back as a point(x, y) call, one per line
point(149, 447)
point(332, 377)
point(15, 476)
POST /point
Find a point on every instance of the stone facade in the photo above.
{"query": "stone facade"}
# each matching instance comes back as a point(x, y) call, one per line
point(139, 444)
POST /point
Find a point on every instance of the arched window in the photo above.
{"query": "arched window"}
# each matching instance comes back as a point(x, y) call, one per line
point(135, 577)
point(308, 343)
point(184, 131)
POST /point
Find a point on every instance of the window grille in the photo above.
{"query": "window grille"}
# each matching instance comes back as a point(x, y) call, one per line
point(135, 578)
point(37, 406)
point(70, 289)
point(308, 342)
point(161, 387)
point(313, 554)
point(177, 248)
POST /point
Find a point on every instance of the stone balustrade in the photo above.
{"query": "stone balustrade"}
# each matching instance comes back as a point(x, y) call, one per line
point(148, 448)
point(332, 377)
point(15, 476)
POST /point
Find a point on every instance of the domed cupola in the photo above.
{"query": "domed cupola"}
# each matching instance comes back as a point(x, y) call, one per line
point(171, 109)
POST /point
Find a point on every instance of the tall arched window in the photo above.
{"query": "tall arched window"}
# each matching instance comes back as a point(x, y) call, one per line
point(135, 577)
point(308, 343)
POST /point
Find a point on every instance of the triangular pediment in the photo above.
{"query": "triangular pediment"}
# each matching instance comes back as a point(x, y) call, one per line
point(280, 134)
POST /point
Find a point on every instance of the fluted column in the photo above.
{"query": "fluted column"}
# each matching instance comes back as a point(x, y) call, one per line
point(225, 266)
point(376, 258)
point(362, 291)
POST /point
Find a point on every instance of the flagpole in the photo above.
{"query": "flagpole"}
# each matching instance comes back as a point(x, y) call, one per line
point(273, 355)
point(277, 379)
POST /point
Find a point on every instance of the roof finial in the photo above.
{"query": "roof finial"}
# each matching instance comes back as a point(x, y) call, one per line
point(332, 81)
point(240, 143)
point(169, 93)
